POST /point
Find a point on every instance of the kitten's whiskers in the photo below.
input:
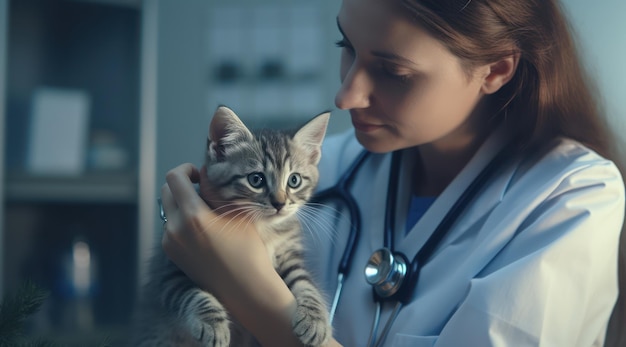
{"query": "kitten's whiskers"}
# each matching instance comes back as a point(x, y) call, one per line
point(316, 225)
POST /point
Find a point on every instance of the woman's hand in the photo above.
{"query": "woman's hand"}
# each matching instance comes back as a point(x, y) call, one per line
point(226, 257)
point(210, 249)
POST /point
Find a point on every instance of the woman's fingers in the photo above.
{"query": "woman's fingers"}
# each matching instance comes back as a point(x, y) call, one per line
point(203, 185)
point(181, 205)
point(167, 201)
point(181, 184)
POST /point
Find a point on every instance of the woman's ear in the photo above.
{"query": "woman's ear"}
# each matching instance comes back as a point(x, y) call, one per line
point(500, 73)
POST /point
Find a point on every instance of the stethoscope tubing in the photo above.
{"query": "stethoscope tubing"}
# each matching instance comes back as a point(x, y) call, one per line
point(392, 196)
point(341, 191)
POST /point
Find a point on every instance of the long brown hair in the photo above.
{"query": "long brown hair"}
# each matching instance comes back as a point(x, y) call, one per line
point(550, 95)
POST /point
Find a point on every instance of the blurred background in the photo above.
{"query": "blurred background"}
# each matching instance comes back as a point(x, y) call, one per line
point(99, 98)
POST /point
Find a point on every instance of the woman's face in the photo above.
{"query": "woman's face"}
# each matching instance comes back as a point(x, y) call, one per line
point(403, 87)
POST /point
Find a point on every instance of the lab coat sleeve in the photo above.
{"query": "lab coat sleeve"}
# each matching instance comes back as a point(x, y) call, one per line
point(555, 281)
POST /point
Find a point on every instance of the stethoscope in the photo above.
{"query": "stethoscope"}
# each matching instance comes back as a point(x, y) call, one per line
point(392, 276)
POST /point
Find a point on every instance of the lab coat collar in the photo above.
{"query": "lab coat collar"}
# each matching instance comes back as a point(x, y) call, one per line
point(410, 244)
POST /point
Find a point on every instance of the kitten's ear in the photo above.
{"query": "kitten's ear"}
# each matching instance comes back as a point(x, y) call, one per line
point(226, 129)
point(311, 135)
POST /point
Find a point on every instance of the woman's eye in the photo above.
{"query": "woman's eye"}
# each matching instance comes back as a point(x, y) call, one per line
point(343, 43)
point(256, 179)
point(295, 180)
point(396, 73)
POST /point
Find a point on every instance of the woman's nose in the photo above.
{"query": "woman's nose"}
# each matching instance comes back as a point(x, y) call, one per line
point(355, 90)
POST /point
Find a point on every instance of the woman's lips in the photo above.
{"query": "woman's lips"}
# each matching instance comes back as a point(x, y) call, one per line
point(365, 127)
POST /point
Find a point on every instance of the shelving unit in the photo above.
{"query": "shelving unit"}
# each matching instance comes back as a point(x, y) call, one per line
point(74, 234)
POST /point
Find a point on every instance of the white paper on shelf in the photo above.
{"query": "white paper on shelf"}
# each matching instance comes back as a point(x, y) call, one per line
point(58, 132)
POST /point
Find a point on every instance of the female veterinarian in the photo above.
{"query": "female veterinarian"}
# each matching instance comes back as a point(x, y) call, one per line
point(486, 210)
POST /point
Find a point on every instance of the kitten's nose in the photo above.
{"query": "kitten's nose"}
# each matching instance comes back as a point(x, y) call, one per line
point(278, 205)
point(278, 199)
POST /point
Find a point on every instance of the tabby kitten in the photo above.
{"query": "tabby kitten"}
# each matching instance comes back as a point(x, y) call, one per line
point(265, 176)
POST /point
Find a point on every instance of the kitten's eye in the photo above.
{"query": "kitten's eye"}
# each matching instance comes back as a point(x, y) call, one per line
point(256, 179)
point(295, 180)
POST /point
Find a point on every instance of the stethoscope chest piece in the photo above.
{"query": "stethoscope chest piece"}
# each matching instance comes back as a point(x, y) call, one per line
point(385, 272)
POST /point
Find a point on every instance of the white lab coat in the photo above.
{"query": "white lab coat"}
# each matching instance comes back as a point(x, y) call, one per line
point(532, 261)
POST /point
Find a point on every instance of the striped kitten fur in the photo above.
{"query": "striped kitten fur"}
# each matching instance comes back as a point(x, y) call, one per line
point(266, 176)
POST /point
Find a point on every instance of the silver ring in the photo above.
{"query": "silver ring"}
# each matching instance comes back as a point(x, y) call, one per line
point(161, 212)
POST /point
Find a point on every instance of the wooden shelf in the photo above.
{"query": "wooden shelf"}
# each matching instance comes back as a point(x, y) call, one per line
point(95, 188)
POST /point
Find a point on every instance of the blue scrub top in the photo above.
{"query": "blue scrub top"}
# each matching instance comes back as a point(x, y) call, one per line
point(417, 207)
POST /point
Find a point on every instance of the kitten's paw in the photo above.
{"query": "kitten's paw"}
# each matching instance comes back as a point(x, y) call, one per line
point(212, 335)
point(311, 326)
